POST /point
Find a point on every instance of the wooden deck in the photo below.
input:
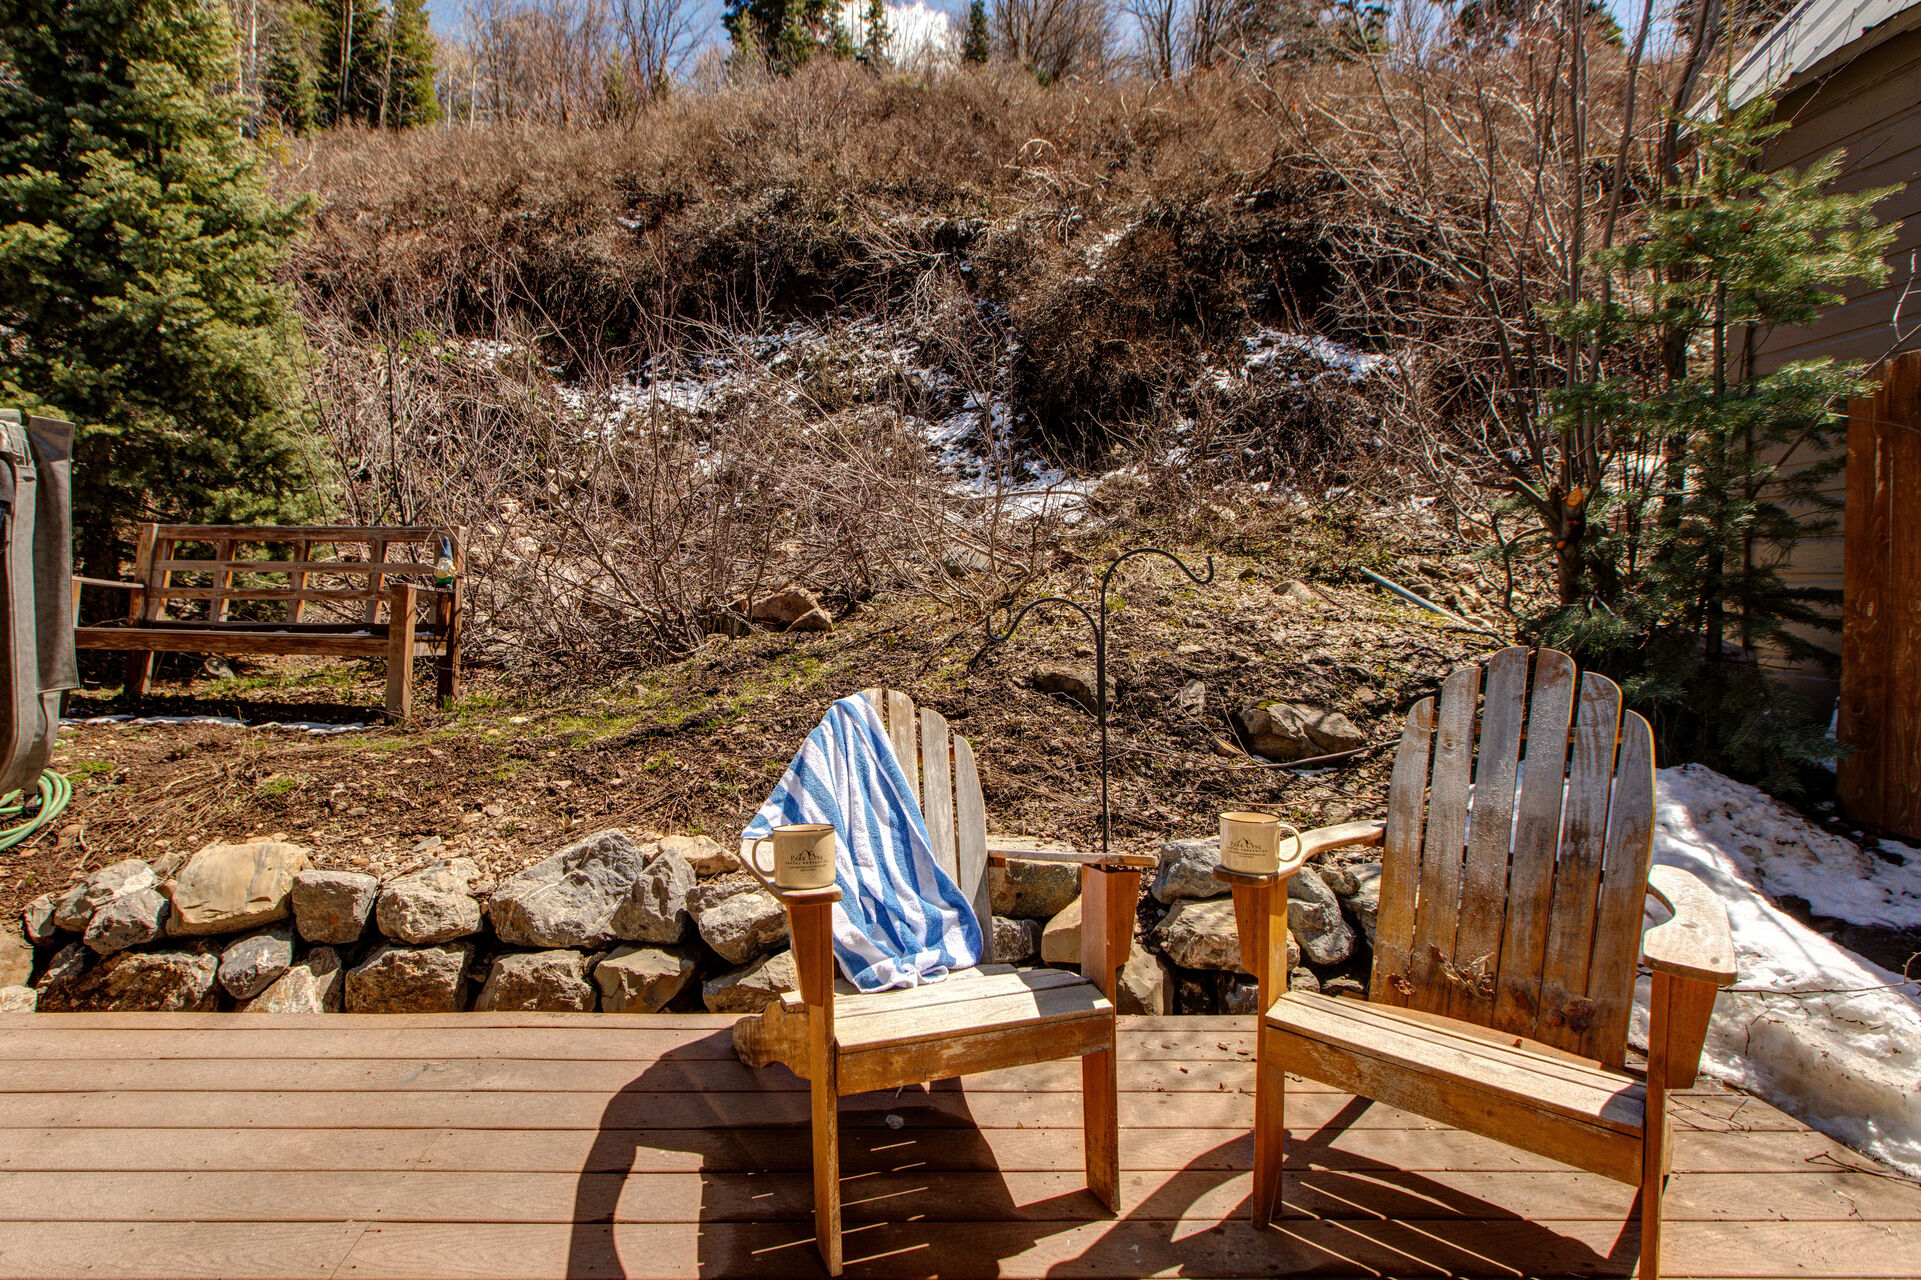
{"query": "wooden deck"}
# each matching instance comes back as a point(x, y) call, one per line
point(580, 1145)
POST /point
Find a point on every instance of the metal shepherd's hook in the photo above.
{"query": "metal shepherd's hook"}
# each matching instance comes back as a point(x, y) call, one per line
point(1099, 628)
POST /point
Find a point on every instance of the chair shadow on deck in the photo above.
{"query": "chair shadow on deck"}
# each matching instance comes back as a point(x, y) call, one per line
point(745, 1143)
point(1367, 1217)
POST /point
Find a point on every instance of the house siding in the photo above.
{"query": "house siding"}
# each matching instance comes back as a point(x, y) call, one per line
point(1871, 108)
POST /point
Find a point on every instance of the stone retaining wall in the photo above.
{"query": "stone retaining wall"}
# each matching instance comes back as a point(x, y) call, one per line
point(612, 922)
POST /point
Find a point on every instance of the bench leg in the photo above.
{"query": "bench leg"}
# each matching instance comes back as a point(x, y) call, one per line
point(139, 673)
point(400, 654)
point(447, 677)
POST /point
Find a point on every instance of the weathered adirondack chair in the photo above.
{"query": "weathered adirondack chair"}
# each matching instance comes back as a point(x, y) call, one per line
point(982, 1019)
point(1504, 970)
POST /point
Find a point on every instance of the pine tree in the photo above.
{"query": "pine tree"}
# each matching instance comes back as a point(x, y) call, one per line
point(783, 34)
point(873, 49)
point(408, 70)
point(975, 47)
point(138, 243)
point(289, 94)
point(1677, 591)
point(351, 58)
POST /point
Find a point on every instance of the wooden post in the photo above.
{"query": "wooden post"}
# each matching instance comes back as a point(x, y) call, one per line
point(400, 652)
point(1107, 933)
point(1879, 780)
point(222, 578)
point(144, 607)
point(297, 580)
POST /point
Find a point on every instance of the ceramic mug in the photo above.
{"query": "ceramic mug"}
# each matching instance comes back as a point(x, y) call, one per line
point(803, 856)
point(1251, 842)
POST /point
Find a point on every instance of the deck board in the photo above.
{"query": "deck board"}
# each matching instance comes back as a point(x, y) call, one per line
point(558, 1145)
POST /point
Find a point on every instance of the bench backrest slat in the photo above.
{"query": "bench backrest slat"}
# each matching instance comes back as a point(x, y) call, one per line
point(230, 576)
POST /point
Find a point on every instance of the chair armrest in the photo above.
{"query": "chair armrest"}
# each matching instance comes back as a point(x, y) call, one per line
point(1032, 849)
point(1341, 836)
point(1696, 943)
point(109, 582)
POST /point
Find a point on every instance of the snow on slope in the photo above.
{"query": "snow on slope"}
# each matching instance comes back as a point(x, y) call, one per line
point(1810, 1027)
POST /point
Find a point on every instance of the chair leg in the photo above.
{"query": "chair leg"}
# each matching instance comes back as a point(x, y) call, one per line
point(1270, 1133)
point(826, 1126)
point(1654, 1181)
point(1100, 1122)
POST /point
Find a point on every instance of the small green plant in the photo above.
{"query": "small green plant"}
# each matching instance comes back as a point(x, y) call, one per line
point(1690, 485)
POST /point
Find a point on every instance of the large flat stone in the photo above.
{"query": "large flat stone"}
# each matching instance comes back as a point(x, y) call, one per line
point(1202, 935)
point(396, 979)
point(128, 920)
point(738, 919)
point(230, 888)
point(1061, 938)
point(1030, 889)
point(76, 906)
point(16, 957)
point(1315, 920)
point(433, 904)
point(642, 979)
point(749, 988)
point(1015, 941)
point(333, 906)
point(540, 981)
point(656, 905)
point(252, 964)
point(20, 999)
point(316, 985)
point(137, 981)
point(1186, 871)
point(570, 898)
point(37, 921)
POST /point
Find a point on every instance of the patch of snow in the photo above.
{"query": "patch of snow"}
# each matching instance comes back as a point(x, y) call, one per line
point(316, 727)
point(1785, 855)
point(1827, 1036)
point(1266, 347)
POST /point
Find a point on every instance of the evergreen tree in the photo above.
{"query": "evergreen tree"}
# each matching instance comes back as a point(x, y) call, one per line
point(408, 68)
point(289, 94)
point(975, 47)
point(351, 61)
point(784, 34)
point(138, 243)
point(873, 48)
point(1675, 588)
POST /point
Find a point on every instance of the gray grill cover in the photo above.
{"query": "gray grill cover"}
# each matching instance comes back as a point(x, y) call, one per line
point(36, 589)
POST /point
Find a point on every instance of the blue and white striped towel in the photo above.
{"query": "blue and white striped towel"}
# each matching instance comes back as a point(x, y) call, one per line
point(901, 920)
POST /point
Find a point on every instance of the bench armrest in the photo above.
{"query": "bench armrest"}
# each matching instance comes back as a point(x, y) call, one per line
point(1696, 943)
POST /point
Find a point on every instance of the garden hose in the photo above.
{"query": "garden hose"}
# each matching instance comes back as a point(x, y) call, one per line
point(55, 791)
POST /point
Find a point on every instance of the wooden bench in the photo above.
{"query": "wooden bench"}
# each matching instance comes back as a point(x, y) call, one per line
point(374, 596)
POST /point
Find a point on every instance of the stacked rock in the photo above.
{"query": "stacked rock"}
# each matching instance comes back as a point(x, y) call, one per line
point(609, 922)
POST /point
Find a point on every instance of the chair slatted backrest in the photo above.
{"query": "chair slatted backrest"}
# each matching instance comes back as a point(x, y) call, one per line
point(1520, 821)
point(940, 767)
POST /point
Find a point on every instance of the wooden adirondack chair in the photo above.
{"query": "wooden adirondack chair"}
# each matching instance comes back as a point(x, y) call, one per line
point(1503, 970)
point(983, 1019)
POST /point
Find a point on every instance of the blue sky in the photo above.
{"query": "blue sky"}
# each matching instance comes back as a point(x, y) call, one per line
point(447, 14)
